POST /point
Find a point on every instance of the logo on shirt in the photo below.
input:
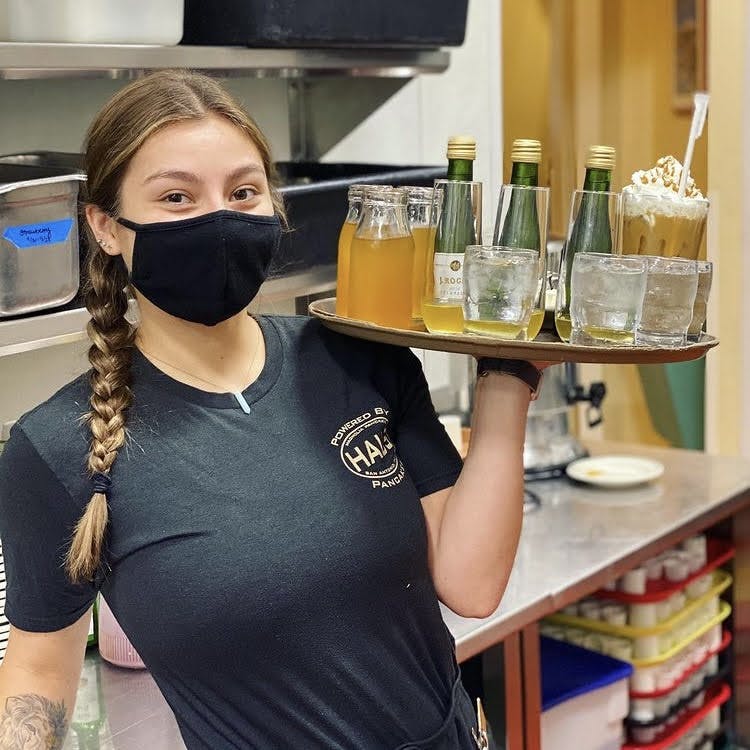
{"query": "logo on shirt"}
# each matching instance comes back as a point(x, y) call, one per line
point(367, 451)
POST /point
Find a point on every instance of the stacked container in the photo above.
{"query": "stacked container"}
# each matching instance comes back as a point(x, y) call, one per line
point(665, 619)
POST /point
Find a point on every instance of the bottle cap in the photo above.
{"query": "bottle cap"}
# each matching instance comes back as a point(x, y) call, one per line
point(462, 147)
point(601, 157)
point(527, 151)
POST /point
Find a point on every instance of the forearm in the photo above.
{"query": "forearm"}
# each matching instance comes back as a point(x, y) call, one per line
point(39, 679)
point(35, 709)
point(482, 517)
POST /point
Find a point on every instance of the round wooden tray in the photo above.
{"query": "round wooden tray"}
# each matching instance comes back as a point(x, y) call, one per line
point(547, 347)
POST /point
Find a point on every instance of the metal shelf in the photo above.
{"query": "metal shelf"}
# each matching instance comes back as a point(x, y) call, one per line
point(29, 61)
point(67, 326)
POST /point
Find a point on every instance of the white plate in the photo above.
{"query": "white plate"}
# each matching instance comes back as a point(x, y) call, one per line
point(615, 471)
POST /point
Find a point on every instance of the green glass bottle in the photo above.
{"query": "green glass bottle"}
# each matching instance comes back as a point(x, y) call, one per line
point(89, 717)
point(591, 232)
point(521, 226)
point(458, 226)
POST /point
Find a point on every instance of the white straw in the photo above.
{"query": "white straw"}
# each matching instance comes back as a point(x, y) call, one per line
point(700, 106)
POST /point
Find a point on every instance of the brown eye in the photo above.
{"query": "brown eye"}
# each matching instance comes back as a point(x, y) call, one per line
point(244, 194)
point(174, 198)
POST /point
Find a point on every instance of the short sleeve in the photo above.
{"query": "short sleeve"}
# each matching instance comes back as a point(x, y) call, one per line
point(423, 444)
point(37, 517)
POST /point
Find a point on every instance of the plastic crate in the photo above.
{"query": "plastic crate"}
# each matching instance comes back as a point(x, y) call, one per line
point(584, 698)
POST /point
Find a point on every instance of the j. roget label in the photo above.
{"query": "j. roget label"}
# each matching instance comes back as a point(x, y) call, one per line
point(449, 276)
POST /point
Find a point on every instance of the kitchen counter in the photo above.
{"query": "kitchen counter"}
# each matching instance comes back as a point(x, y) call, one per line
point(581, 538)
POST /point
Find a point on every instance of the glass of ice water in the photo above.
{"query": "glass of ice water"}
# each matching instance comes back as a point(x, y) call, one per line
point(500, 290)
point(671, 286)
point(700, 306)
point(606, 298)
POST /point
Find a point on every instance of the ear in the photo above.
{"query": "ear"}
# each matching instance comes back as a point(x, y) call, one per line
point(103, 227)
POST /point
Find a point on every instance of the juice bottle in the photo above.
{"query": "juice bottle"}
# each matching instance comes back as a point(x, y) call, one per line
point(381, 263)
point(521, 226)
point(418, 210)
point(355, 194)
point(457, 218)
point(591, 231)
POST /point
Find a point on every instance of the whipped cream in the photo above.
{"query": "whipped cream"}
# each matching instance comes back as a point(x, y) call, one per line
point(663, 178)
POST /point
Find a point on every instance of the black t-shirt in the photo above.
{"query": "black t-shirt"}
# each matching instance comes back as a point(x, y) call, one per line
point(269, 567)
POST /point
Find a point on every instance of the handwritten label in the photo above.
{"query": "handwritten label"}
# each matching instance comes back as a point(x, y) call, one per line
point(34, 235)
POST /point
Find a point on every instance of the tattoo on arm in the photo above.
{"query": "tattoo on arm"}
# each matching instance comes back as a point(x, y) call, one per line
point(33, 722)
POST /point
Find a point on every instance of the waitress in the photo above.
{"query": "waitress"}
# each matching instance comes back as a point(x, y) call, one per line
point(271, 510)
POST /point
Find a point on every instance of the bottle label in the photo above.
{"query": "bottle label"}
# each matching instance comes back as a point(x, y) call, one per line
point(449, 277)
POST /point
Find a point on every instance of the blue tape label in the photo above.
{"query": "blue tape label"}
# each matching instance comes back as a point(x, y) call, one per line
point(44, 233)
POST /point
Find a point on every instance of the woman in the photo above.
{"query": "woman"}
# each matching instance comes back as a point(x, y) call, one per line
point(276, 509)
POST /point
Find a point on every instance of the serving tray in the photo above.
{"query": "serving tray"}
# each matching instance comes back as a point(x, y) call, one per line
point(547, 347)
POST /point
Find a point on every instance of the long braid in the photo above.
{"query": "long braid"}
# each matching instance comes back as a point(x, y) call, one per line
point(135, 113)
point(110, 355)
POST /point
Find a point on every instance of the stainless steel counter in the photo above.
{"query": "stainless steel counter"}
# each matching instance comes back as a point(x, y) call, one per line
point(581, 538)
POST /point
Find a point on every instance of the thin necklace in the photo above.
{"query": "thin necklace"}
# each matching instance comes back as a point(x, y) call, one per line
point(236, 393)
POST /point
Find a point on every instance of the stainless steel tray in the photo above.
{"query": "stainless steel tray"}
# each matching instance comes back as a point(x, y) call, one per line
point(545, 348)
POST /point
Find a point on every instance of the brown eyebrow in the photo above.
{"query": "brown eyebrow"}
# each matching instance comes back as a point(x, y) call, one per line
point(246, 169)
point(174, 174)
point(178, 174)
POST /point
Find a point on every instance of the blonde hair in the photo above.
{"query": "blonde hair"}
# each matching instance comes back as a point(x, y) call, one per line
point(134, 114)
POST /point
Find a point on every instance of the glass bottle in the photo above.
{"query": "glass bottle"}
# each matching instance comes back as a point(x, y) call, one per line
point(591, 230)
point(419, 201)
point(93, 635)
point(521, 227)
point(381, 265)
point(355, 195)
point(457, 216)
point(89, 715)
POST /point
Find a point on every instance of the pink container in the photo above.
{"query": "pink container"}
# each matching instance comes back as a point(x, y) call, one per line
point(114, 645)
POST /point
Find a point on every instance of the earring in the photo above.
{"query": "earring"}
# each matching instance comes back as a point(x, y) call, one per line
point(104, 245)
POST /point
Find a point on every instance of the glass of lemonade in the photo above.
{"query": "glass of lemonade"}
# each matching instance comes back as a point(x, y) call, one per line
point(700, 306)
point(419, 202)
point(521, 224)
point(606, 298)
point(501, 287)
point(671, 286)
point(382, 261)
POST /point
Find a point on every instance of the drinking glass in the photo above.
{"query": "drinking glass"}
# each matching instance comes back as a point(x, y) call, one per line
point(418, 204)
point(382, 261)
point(500, 290)
point(521, 223)
point(700, 307)
point(592, 228)
point(606, 298)
point(658, 223)
point(671, 286)
point(456, 215)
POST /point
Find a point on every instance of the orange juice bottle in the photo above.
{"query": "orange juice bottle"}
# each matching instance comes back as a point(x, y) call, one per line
point(355, 194)
point(381, 263)
point(418, 206)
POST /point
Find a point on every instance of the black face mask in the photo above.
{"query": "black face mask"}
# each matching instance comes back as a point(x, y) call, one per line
point(204, 269)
